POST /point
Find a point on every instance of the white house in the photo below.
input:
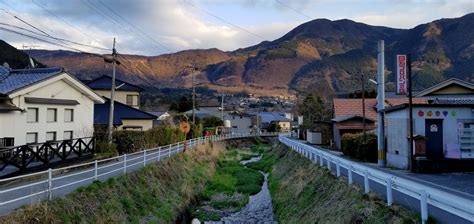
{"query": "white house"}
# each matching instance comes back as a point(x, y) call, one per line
point(44, 104)
point(445, 127)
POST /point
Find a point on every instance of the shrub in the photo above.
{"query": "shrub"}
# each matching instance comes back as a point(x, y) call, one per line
point(352, 145)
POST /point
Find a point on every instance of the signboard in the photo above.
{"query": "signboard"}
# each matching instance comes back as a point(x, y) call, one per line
point(184, 126)
point(401, 74)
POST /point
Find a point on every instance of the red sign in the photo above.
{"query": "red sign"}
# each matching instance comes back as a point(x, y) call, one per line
point(401, 74)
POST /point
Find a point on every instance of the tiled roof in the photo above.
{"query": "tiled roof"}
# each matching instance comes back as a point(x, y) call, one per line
point(345, 107)
point(18, 79)
point(105, 83)
point(121, 111)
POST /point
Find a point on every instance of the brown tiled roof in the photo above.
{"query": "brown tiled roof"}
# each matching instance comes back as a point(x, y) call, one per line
point(344, 107)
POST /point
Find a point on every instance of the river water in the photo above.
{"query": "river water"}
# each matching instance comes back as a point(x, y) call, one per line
point(258, 210)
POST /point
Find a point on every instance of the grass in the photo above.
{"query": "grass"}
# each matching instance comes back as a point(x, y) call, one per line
point(231, 186)
point(304, 193)
point(157, 193)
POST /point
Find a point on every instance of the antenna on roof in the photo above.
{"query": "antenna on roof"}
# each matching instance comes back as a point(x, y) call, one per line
point(31, 62)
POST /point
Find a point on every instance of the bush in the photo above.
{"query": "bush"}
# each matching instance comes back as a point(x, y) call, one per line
point(132, 141)
point(352, 145)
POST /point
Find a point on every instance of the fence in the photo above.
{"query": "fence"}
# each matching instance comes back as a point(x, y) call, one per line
point(450, 203)
point(34, 187)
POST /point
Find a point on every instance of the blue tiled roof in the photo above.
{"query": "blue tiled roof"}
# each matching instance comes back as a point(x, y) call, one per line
point(105, 83)
point(18, 79)
point(121, 111)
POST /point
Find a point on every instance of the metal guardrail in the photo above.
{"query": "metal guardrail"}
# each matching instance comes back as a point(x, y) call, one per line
point(40, 185)
point(450, 203)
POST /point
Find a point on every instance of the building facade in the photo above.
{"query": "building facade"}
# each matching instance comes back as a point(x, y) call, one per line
point(39, 105)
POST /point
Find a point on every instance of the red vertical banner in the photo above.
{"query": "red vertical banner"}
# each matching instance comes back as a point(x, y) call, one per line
point(401, 74)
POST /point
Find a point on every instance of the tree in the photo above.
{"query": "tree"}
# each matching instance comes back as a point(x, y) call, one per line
point(314, 111)
point(185, 104)
point(212, 121)
point(274, 127)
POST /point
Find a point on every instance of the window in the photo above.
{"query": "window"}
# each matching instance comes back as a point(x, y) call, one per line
point(235, 127)
point(68, 115)
point(31, 137)
point(51, 115)
point(67, 135)
point(51, 136)
point(32, 115)
point(7, 142)
point(132, 100)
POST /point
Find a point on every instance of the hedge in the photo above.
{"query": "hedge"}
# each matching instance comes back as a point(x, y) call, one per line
point(352, 145)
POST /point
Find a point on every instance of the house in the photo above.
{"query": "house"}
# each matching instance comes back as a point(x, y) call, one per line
point(125, 93)
point(444, 128)
point(239, 122)
point(447, 132)
point(44, 104)
point(348, 115)
point(127, 115)
point(162, 116)
point(279, 118)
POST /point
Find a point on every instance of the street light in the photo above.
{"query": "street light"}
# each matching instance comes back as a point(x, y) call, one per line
point(373, 81)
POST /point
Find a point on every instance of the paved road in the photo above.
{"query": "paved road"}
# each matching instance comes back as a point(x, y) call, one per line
point(82, 177)
point(411, 203)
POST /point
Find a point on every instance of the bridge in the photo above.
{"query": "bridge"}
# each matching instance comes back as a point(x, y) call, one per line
point(45, 185)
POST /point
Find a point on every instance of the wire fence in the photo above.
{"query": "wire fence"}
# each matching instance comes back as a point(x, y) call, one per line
point(45, 185)
point(459, 206)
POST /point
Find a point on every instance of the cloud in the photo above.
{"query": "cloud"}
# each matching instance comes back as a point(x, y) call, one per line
point(153, 27)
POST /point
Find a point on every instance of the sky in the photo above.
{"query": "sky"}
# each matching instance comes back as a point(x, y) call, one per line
point(154, 27)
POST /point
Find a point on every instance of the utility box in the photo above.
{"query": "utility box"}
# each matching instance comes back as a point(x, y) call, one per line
point(314, 137)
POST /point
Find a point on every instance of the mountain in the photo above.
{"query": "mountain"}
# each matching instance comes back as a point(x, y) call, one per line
point(321, 56)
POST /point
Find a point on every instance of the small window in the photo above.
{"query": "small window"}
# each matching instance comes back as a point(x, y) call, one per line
point(51, 136)
point(67, 135)
point(68, 115)
point(51, 115)
point(32, 115)
point(132, 100)
point(234, 127)
point(7, 142)
point(31, 137)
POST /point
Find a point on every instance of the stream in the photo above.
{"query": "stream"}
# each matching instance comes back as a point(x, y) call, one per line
point(259, 208)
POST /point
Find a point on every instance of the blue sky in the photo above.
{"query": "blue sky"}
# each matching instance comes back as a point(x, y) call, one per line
point(154, 27)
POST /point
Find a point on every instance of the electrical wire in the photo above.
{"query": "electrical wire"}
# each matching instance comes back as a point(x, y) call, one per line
point(293, 9)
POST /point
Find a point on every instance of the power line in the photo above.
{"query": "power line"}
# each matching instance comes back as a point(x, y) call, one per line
point(224, 20)
point(52, 37)
point(68, 24)
point(134, 26)
point(293, 9)
point(101, 12)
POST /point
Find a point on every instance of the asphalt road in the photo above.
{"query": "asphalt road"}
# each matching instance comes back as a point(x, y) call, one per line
point(406, 201)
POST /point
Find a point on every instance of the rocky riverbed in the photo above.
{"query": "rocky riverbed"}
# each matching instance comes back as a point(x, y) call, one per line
point(259, 208)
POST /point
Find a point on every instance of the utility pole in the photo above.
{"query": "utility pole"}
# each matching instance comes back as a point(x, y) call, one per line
point(363, 108)
point(112, 95)
point(222, 105)
point(194, 93)
point(410, 110)
point(380, 103)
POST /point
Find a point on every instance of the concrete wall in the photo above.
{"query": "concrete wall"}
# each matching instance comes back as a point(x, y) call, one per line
point(120, 96)
point(240, 124)
point(14, 124)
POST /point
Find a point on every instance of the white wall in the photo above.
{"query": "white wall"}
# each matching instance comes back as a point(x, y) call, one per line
point(14, 124)
point(397, 130)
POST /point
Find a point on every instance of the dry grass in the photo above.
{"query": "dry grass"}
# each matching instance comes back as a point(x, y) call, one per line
point(156, 193)
point(304, 193)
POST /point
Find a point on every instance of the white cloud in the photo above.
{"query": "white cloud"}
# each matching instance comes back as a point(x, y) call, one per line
point(179, 26)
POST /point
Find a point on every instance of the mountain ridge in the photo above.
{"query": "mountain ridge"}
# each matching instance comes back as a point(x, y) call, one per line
point(320, 56)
